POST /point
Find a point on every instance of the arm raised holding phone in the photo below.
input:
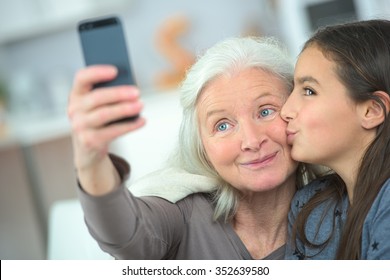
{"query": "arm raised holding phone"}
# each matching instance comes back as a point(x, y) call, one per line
point(104, 102)
point(89, 111)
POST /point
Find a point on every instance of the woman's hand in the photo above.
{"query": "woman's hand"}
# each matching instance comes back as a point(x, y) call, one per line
point(89, 111)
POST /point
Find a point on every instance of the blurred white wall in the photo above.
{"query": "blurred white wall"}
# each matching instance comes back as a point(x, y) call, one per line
point(39, 47)
point(294, 25)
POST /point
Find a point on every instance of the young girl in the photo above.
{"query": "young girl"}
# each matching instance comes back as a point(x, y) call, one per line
point(337, 116)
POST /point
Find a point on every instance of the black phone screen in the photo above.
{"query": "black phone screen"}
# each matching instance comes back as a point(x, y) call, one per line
point(103, 42)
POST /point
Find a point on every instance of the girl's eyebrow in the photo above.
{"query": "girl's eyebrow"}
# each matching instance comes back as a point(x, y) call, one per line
point(304, 79)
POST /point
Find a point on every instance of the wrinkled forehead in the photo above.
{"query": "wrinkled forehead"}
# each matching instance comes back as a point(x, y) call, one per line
point(246, 81)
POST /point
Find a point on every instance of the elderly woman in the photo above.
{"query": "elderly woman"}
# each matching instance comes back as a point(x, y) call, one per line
point(232, 141)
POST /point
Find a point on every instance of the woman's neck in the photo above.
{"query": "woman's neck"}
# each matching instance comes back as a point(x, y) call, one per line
point(261, 220)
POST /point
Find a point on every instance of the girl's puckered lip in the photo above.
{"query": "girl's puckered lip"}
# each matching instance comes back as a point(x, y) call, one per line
point(290, 136)
point(290, 131)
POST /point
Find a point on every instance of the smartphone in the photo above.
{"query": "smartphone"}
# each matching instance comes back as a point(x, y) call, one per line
point(103, 42)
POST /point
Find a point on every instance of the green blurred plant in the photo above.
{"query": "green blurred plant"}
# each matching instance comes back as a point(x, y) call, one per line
point(3, 93)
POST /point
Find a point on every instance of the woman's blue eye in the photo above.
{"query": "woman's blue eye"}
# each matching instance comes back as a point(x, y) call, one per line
point(222, 126)
point(266, 112)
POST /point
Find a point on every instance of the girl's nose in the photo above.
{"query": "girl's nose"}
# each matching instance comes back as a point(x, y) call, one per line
point(287, 114)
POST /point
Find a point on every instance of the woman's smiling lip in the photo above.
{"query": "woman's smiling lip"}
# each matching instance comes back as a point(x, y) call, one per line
point(260, 162)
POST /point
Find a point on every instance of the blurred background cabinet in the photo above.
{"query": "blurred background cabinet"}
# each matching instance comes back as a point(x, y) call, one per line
point(21, 234)
point(33, 175)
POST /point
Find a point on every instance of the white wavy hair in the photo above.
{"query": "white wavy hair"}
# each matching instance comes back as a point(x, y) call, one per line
point(225, 58)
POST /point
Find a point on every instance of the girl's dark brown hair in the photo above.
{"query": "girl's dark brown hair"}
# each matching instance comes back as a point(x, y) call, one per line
point(361, 52)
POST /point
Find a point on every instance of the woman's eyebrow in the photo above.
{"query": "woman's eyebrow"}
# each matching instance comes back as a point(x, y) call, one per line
point(261, 96)
point(213, 112)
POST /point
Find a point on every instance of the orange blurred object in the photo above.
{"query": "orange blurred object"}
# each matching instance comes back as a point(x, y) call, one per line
point(167, 39)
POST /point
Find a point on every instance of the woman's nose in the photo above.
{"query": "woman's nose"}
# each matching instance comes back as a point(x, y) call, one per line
point(252, 137)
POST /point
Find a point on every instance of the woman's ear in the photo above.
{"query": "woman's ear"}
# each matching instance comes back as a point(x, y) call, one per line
point(373, 114)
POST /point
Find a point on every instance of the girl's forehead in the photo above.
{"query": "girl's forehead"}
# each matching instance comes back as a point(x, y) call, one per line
point(313, 62)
